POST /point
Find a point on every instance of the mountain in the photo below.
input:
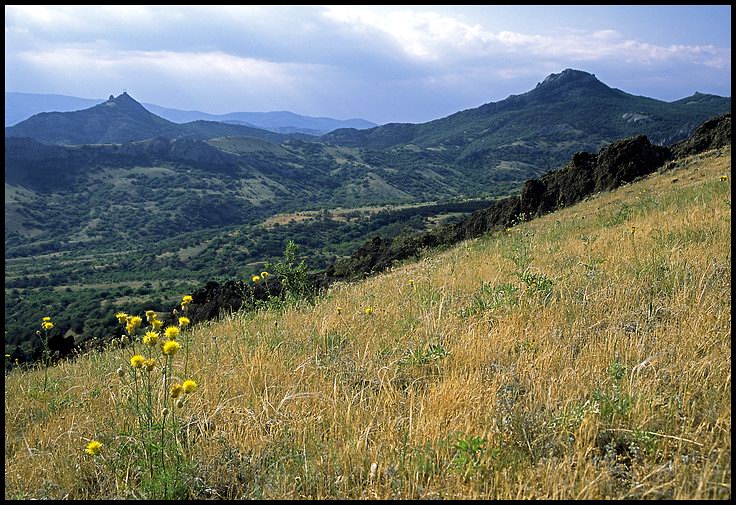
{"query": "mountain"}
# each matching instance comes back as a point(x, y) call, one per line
point(121, 119)
point(486, 152)
point(538, 130)
point(21, 106)
point(278, 121)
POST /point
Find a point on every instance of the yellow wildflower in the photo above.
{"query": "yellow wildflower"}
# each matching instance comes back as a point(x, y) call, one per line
point(186, 300)
point(44, 319)
point(47, 325)
point(93, 448)
point(264, 274)
point(150, 363)
point(189, 386)
point(339, 310)
point(183, 321)
point(255, 278)
point(150, 338)
point(172, 332)
point(137, 361)
point(724, 178)
point(156, 324)
point(134, 321)
point(369, 310)
point(170, 347)
point(175, 390)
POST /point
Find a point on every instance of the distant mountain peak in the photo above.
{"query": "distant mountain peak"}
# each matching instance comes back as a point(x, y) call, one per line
point(569, 76)
point(124, 100)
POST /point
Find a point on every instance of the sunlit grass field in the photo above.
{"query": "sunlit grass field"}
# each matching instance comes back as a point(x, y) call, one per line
point(582, 355)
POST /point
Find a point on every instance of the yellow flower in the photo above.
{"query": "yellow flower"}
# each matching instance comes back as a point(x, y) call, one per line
point(134, 321)
point(170, 347)
point(724, 178)
point(172, 332)
point(186, 300)
point(156, 324)
point(122, 317)
point(264, 275)
point(149, 364)
point(255, 278)
point(183, 321)
point(189, 386)
point(93, 448)
point(137, 361)
point(369, 310)
point(47, 325)
point(47, 318)
point(150, 338)
point(175, 390)
point(632, 229)
point(150, 315)
point(339, 310)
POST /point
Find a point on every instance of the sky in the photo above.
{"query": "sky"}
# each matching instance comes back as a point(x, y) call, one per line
point(385, 64)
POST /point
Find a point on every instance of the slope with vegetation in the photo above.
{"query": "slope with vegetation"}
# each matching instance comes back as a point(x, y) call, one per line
point(93, 226)
point(581, 355)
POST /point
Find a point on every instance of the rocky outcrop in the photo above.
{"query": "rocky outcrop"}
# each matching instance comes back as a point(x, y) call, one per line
point(712, 134)
point(586, 174)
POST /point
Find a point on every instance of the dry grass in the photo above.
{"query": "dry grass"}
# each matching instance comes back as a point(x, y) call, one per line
point(467, 382)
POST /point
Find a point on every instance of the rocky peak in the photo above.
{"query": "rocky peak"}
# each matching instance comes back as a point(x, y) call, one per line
point(569, 81)
point(125, 101)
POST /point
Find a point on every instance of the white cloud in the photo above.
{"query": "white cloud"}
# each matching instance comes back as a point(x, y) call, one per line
point(429, 36)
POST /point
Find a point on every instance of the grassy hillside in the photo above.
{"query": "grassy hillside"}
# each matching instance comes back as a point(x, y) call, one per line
point(582, 355)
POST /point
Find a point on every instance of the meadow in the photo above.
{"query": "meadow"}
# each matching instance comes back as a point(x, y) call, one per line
point(582, 355)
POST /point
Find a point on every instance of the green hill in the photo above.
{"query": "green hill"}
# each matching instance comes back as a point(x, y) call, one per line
point(539, 130)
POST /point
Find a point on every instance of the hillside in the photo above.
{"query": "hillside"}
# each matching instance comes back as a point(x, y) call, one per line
point(539, 130)
point(581, 355)
point(122, 119)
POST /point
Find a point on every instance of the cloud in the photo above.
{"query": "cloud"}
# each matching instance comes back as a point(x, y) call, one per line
point(429, 36)
point(384, 63)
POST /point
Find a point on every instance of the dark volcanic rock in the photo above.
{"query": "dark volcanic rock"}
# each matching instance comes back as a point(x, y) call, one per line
point(215, 299)
point(625, 161)
point(712, 134)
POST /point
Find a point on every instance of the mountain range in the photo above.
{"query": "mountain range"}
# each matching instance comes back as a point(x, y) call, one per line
point(119, 146)
point(21, 106)
point(115, 195)
point(482, 151)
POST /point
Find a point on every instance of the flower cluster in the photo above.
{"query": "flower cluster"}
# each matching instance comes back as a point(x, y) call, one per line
point(46, 323)
point(185, 301)
point(258, 278)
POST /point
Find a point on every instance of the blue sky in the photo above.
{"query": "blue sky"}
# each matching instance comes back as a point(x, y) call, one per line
point(381, 63)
